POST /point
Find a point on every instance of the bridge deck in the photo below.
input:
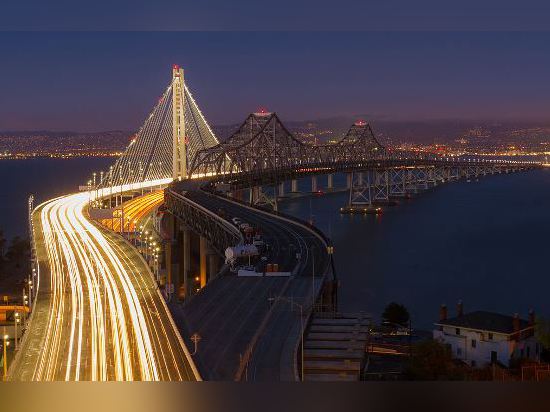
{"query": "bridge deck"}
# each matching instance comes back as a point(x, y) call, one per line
point(230, 310)
point(43, 360)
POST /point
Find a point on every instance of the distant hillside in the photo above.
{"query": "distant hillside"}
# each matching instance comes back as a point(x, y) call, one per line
point(472, 133)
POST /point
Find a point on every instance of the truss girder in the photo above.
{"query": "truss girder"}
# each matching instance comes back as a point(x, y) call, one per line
point(219, 234)
point(263, 144)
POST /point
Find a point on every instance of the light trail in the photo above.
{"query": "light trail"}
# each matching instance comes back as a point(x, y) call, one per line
point(106, 319)
point(135, 210)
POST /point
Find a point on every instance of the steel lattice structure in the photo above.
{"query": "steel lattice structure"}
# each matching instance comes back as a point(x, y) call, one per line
point(263, 144)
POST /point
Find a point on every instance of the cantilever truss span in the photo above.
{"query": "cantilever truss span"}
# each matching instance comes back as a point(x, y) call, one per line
point(263, 144)
point(149, 156)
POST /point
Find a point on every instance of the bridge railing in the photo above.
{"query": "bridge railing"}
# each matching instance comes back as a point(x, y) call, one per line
point(219, 233)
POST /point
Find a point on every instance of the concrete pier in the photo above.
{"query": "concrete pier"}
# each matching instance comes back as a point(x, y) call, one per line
point(330, 182)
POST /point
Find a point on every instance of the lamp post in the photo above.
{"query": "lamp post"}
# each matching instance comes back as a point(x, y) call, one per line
point(5, 343)
point(291, 302)
point(15, 323)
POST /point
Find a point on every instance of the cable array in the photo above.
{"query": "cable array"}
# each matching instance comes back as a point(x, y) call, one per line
point(149, 154)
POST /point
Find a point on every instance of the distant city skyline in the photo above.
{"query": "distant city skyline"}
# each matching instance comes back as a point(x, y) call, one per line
point(97, 81)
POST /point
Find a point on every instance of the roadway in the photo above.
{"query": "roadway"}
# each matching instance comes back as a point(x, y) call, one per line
point(135, 210)
point(99, 315)
point(229, 312)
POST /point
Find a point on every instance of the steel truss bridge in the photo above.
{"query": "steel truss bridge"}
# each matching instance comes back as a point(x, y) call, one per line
point(176, 144)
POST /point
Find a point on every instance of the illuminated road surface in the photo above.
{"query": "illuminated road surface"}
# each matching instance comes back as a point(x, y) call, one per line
point(105, 318)
point(135, 210)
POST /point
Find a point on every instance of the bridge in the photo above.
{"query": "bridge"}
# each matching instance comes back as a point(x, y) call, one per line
point(102, 311)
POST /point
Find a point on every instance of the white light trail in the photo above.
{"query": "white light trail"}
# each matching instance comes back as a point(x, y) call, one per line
point(101, 325)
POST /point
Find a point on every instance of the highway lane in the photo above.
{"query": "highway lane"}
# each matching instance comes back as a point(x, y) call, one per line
point(229, 311)
point(105, 318)
point(135, 210)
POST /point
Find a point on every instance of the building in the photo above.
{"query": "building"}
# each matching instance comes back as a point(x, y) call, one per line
point(481, 338)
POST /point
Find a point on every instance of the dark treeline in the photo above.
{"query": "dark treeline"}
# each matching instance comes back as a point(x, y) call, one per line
point(14, 265)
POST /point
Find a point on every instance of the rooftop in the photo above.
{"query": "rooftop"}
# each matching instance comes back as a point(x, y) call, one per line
point(489, 321)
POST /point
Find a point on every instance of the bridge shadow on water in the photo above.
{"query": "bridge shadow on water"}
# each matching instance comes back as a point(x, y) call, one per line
point(483, 242)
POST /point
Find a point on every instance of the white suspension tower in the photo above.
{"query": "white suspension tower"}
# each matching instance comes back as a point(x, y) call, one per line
point(179, 153)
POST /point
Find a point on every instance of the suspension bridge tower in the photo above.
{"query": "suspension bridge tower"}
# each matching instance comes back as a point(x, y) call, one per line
point(179, 144)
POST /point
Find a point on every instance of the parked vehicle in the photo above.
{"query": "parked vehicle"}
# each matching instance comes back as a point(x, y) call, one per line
point(235, 252)
point(260, 244)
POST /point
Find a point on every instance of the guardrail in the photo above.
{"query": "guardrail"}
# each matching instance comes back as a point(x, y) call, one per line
point(219, 233)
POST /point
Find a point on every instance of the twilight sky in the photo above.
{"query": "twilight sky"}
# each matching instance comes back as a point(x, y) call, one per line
point(92, 81)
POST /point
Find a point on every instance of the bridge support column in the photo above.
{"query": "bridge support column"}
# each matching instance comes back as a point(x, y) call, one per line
point(169, 257)
point(313, 184)
point(411, 181)
point(169, 267)
point(281, 189)
point(349, 180)
point(202, 261)
point(236, 194)
point(360, 191)
point(397, 183)
point(187, 282)
point(213, 265)
point(330, 182)
point(294, 186)
point(381, 186)
point(255, 194)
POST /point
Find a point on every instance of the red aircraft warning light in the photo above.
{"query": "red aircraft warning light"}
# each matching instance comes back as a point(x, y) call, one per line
point(360, 123)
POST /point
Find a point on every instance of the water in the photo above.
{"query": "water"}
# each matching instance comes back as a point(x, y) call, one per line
point(483, 242)
point(45, 179)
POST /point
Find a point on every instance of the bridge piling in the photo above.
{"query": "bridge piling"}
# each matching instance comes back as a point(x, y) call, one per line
point(360, 195)
point(397, 182)
point(186, 257)
point(313, 184)
point(202, 261)
point(281, 189)
point(294, 186)
point(381, 186)
point(330, 182)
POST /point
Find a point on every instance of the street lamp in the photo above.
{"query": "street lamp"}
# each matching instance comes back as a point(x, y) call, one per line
point(15, 323)
point(291, 302)
point(6, 343)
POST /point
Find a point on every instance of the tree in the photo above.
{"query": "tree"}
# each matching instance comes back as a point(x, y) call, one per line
point(18, 253)
point(542, 332)
point(396, 313)
point(2, 245)
point(431, 360)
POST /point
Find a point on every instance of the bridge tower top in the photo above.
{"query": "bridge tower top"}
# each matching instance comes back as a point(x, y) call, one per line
point(179, 146)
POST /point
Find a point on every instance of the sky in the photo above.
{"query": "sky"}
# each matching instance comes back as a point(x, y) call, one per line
point(279, 15)
point(107, 80)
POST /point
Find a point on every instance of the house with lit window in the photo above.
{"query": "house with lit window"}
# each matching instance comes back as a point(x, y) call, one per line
point(481, 338)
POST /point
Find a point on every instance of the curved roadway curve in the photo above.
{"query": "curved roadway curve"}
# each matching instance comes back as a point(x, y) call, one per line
point(98, 315)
